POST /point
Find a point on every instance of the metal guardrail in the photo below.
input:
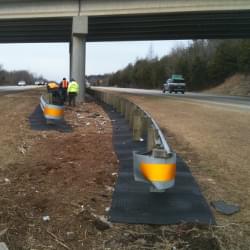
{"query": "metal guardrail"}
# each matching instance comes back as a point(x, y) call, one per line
point(156, 166)
point(50, 111)
point(160, 134)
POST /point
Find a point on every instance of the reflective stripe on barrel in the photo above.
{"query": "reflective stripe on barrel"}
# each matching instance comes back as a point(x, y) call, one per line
point(158, 171)
point(53, 112)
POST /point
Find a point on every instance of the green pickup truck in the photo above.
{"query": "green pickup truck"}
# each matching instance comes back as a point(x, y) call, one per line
point(175, 84)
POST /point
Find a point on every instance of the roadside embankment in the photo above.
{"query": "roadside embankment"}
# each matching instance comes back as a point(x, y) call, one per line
point(236, 85)
point(214, 141)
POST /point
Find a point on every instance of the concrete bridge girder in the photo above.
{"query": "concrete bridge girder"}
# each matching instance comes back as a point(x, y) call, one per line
point(63, 8)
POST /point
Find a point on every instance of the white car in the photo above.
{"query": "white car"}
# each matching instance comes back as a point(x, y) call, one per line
point(21, 83)
point(39, 83)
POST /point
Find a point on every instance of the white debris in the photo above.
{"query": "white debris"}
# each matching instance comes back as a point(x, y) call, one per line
point(3, 232)
point(108, 188)
point(114, 174)
point(22, 149)
point(46, 218)
point(141, 241)
point(7, 180)
point(101, 222)
point(80, 209)
point(107, 209)
point(141, 139)
point(70, 235)
point(211, 180)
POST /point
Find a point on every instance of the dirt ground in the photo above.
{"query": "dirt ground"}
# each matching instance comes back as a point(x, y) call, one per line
point(56, 187)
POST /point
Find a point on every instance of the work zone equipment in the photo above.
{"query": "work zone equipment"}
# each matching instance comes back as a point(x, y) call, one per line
point(159, 172)
point(52, 103)
point(54, 94)
point(156, 166)
point(50, 111)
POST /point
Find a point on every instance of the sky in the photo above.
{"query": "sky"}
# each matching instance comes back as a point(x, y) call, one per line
point(51, 60)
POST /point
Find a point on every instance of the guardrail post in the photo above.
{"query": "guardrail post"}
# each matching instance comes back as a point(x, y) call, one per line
point(116, 103)
point(119, 105)
point(122, 106)
point(127, 110)
point(104, 97)
point(50, 98)
point(107, 98)
point(131, 115)
point(145, 121)
point(112, 102)
point(159, 153)
point(137, 126)
point(151, 134)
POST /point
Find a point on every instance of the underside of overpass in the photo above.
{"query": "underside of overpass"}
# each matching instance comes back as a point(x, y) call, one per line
point(170, 26)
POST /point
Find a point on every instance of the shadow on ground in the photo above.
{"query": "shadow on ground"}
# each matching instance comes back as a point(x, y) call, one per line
point(38, 122)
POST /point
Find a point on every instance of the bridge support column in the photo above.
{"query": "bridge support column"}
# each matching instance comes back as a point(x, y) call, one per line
point(78, 53)
point(70, 60)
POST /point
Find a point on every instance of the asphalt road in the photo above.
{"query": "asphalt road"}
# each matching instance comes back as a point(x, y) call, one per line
point(226, 101)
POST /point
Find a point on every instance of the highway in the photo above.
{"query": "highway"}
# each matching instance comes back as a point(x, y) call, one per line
point(226, 101)
point(17, 88)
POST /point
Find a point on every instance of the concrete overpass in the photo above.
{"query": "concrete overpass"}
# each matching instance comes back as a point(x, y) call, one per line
point(78, 21)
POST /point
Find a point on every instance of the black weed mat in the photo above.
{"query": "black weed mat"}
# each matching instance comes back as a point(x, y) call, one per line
point(38, 122)
point(133, 203)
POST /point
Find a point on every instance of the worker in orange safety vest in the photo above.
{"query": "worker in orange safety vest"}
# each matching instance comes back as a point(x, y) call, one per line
point(63, 88)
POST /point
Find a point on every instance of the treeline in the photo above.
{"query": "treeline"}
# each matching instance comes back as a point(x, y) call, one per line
point(13, 77)
point(203, 63)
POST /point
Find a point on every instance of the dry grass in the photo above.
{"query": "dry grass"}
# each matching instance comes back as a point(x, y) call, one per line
point(215, 143)
point(237, 85)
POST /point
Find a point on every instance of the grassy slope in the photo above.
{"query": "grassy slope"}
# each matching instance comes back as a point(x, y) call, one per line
point(237, 84)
